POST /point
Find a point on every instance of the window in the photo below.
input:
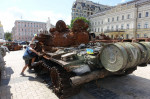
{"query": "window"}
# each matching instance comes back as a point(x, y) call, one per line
point(102, 30)
point(128, 26)
point(79, 7)
point(145, 35)
point(146, 25)
point(117, 18)
point(112, 19)
point(123, 17)
point(139, 26)
point(95, 23)
point(122, 26)
point(95, 29)
point(112, 28)
point(107, 27)
point(127, 36)
point(116, 27)
point(102, 22)
point(73, 10)
point(146, 14)
point(108, 19)
point(128, 16)
point(138, 36)
point(98, 29)
point(140, 15)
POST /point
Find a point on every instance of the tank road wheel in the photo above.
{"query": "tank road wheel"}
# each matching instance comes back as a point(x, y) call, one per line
point(61, 83)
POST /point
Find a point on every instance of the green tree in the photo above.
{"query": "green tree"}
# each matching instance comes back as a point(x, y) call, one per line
point(8, 36)
point(69, 26)
point(83, 18)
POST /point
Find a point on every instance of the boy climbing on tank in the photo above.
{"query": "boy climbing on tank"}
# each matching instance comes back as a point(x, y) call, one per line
point(28, 55)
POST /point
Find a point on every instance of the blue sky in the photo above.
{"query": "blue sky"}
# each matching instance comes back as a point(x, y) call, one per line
point(40, 10)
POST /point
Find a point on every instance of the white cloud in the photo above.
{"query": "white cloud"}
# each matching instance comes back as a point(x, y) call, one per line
point(54, 17)
point(9, 16)
point(123, 1)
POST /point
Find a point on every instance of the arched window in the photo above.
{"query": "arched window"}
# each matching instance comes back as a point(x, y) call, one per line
point(147, 14)
point(146, 25)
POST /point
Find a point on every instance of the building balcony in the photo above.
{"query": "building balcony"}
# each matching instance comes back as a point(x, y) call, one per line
point(117, 30)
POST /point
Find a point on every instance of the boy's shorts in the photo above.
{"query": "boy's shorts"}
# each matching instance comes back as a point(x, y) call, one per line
point(27, 59)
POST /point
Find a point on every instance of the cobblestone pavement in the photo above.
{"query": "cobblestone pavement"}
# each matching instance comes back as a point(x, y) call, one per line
point(14, 86)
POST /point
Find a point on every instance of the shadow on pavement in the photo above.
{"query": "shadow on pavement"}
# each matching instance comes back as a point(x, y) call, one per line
point(5, 88)
point(125, 87)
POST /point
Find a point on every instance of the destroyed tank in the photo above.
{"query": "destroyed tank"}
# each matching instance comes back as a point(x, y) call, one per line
point(72, 61)
point(3, 51)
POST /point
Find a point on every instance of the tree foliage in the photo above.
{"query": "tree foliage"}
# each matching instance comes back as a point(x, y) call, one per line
point(8, 36)
point(69, 26)
point(83, 18)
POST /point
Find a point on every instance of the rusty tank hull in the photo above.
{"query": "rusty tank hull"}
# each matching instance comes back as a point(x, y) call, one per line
point(71, 60)
point(69, 68)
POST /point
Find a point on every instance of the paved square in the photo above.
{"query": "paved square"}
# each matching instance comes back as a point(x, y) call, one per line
point(14, 86)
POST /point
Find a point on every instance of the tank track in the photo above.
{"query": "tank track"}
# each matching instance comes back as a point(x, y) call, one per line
point(59, 80)
point(61, 83)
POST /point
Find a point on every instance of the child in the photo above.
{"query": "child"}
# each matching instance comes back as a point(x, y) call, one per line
point(27, 55)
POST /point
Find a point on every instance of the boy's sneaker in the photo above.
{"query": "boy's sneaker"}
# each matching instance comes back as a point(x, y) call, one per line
point(34, 64)
point(22, 74)
point(31, 71)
